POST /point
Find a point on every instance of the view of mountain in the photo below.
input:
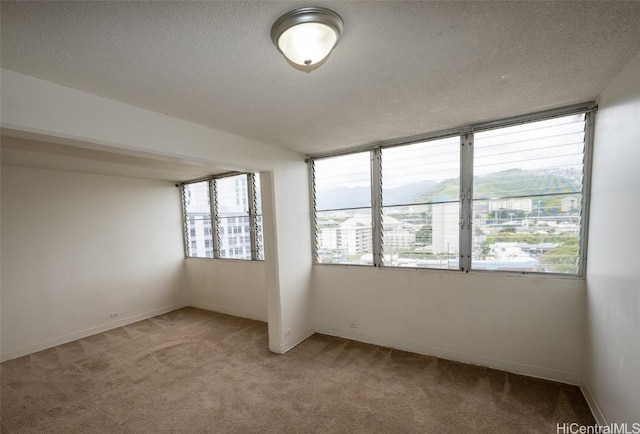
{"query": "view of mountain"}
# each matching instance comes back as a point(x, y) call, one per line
point(361, 196)
point(346, 198)
point(508, 183)
point(517, 182)
point(407, 193)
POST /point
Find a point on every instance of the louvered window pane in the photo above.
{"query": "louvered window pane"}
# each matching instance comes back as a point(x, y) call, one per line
point(238, 218)
point(233, 217)
point(258, 202)
point(258, 193)
point(343, 209)
point(420, 191)
point(198, 235)
point(528, 196)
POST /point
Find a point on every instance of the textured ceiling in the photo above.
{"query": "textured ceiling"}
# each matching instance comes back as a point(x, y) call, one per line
point(401, 68)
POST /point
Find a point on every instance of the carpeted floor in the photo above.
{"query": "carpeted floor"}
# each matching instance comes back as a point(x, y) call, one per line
point(193, 371)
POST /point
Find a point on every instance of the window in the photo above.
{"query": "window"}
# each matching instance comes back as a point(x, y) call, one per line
point(343, 210)
point(230, 212)
point(527, 196)
point(420, 210)
point(257, 200)
point(236, 210)
point(501, 196)
point(197, 212)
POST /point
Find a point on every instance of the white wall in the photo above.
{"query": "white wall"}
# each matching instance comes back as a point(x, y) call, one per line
point(36, 107)
point(229, 286)
point(526, 324)
point(286, 213)
point(77, 247)
point(611, 371)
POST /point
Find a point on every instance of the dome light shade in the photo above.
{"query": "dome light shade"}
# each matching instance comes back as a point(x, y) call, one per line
point(308, 43)
point(307, 35)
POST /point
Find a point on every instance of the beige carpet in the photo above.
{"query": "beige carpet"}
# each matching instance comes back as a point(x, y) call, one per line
point(192, 371)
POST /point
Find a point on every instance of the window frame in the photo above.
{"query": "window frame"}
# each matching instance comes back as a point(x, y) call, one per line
point(213, 202)
point(465, 201)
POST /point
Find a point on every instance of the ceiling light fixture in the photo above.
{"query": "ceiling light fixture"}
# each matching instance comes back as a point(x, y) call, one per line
point(307, 35)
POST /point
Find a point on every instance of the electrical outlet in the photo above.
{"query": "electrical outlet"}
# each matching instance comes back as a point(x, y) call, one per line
point(115, 314)
point(353, 325)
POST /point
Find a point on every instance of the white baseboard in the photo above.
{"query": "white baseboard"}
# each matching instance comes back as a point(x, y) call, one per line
point(593, 405)
point(29, 349)
point(279, 349)
point(572, 378)
point(291, 342)
point(229, 311)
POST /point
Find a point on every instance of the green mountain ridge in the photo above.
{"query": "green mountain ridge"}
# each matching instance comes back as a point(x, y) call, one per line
point(510, 183)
